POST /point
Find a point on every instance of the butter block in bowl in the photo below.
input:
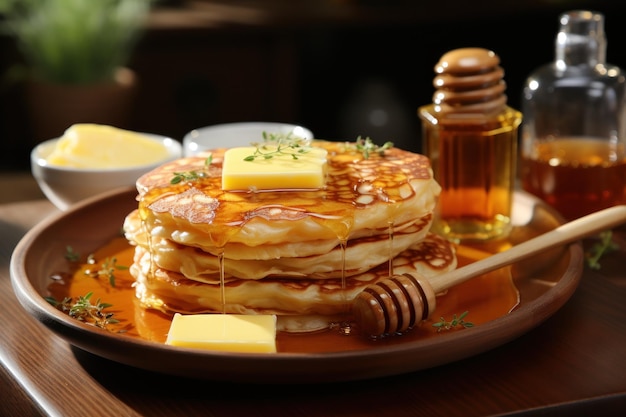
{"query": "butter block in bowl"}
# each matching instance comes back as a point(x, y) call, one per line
point(91, 159)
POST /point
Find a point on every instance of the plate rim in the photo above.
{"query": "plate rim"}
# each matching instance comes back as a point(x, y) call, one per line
point(283, 367)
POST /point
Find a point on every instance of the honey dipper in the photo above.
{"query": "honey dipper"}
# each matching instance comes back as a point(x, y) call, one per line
point(398, 303)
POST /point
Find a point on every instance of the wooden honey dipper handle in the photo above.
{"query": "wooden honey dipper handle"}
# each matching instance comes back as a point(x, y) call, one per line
point(398, 303)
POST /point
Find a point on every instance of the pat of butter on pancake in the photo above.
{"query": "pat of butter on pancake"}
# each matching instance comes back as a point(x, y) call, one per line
point(224, 332)
point(281, 171)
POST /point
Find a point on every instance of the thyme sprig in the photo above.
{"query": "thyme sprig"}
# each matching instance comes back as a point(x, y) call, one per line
point(367, 147)
point(275, 144)
point(83, 310)
point(443, 324)
point(71, 255)
point(106, 269)
point(601, 248)
point(193, 175)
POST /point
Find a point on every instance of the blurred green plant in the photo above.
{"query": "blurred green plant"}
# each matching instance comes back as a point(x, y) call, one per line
point(73, 41)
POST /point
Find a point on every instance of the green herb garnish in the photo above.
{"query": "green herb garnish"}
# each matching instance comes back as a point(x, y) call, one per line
point(443, 324)
point(83, 310)
point(71, 255)
point(599, 249)
point(366, 147)
point(192, 175)
point(106, 270)
point(275, 144)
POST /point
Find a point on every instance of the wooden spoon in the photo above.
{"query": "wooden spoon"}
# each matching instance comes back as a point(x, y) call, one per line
point(398, 303)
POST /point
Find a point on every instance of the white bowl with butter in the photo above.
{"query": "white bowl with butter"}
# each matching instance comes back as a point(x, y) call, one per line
point(231, 135)
point(92, 159)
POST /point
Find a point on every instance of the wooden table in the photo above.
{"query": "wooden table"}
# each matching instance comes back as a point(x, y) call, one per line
point(572, 364)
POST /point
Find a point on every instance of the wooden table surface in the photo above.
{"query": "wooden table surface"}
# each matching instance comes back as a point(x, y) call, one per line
point(572, 364)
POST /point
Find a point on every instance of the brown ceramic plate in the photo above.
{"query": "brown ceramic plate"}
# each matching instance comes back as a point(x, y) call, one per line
point(544, 286)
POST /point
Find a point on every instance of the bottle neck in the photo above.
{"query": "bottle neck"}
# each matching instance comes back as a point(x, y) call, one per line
point(581, 40)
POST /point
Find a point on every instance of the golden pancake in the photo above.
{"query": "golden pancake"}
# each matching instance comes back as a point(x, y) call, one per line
point(361, 197)
point(290, 299)
point(296, 260)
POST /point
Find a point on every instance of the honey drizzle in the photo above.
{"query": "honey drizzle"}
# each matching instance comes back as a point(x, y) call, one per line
point(143, 214)
point(220, 258)
point(390, 262)
point(341, 228)
point(344, 244)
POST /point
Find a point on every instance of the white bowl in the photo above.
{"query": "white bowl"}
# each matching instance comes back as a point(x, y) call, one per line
point(230, 135)
point(64, 186)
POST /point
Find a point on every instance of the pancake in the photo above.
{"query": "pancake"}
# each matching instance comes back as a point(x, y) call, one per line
point(301, 305)
point(300, 254)
point(361, 197)
point(329, 259)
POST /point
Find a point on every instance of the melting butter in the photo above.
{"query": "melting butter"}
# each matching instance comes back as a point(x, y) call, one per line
point(306, 170)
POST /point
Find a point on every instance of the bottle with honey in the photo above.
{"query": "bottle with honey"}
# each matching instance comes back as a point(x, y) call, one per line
point(470, 135)
point(573, 149)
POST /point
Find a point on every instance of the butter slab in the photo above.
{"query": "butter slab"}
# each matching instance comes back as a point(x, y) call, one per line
point(86, 145)
point(281, 171)
point(224, 332)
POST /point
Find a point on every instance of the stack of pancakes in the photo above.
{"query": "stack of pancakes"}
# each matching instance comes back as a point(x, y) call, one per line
point(300, 254)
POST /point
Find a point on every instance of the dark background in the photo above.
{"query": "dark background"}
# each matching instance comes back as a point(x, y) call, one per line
point(324, 64)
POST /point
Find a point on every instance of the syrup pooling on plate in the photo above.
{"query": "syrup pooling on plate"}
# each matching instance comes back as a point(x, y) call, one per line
point(485, 298)
point(370, 210)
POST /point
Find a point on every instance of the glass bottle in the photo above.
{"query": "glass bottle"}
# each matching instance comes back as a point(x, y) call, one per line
point(574, 130)
point(470, 135)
